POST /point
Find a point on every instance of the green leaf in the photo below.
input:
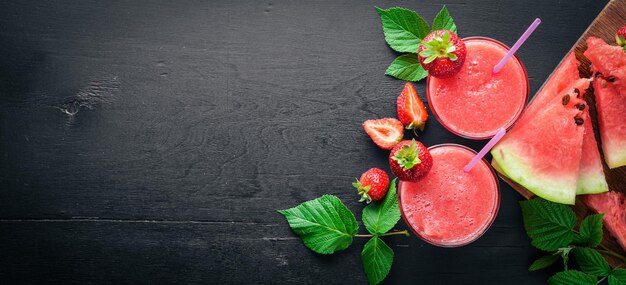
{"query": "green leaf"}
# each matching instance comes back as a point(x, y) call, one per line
point(404, 29)
point(377, 258)
point(324, 224)
point(548, 224)
point(443, 21)
point(407, 67)
point(591, 262)
point(543, 262)
point(572, 277)
point(380, 217)
point(617, 277)
point(591, 229)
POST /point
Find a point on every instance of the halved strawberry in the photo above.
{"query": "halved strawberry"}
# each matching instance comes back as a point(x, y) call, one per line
point(411, 110)
point(385, 133)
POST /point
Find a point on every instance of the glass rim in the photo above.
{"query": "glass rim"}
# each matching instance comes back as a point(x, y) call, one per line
point(509, 124)
point(475, 236)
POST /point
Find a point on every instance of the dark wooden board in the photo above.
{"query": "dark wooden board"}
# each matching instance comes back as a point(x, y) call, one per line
point(611, 18)
point(198, 119)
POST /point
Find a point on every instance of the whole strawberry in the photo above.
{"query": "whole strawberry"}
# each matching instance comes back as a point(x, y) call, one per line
point(620, 37)
point(411, 110)
point(442, 53)
point(410, 160)
point(373, 185)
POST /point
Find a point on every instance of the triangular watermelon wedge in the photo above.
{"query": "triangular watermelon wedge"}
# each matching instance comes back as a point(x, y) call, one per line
point(563, 76)
point(609, 67)
point(591, 178)
point(543, 154)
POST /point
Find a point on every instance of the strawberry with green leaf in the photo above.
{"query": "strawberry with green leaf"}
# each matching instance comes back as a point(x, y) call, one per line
point(404, 30)
point(372, 186)
point(442, 53)
point(410, 160)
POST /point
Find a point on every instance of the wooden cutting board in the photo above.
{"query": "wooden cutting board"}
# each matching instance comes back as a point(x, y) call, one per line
point(611, 18)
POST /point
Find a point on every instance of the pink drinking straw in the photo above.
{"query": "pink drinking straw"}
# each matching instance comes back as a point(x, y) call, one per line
point(516, 46)
point(485, 149)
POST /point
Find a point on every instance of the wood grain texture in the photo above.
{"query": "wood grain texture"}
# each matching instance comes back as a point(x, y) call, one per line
point(153, 141)
point(609, 20)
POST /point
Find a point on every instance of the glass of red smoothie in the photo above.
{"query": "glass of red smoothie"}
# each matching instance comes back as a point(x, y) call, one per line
point(449, 207)
point(475, 103)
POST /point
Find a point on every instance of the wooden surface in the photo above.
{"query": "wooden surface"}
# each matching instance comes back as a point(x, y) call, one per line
point(611, 18)
point(152, 142)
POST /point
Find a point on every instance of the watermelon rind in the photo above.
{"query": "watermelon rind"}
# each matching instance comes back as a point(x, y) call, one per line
point(590, 183)
point(515, 167)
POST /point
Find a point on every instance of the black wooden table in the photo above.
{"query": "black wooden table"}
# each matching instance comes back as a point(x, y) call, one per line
point(146, 142)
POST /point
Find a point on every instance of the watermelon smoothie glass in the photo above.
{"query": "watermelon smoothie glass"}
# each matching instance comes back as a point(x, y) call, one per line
point(449, 207)
point(475, 103)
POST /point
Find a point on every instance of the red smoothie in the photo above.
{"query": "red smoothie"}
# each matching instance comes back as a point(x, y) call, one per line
point(449, 207)
point(475, 103)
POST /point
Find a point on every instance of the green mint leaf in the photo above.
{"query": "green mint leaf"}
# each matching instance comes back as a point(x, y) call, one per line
point(380, 217)
point(591, 262)
point(617, 277)
point(591, 229)
point(325, 224)
point(377, 258)
point(572, 277)
point(404, 29)
point(443, 21)
point(407, 67)
point(548, 224)
point(543, 262)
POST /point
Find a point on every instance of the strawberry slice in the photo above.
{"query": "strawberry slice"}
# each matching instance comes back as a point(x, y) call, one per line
point(385, 133)
point(411, 110)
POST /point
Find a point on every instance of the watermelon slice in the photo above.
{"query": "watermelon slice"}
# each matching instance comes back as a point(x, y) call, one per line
point(613, 205)
point(609, 66)
point(543, 153)
point(556, 83)
point(591, 178)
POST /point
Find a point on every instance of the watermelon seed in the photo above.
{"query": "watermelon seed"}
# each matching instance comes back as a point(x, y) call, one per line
point(580, 106)
point(565, 100)
point(577, 92)
point(611, 78)
point(603, 83)
point(598, 74)
point(578, 120)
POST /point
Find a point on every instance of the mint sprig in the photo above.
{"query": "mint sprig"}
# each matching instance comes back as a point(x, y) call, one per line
point(377, 258)
point(544, 262)
point(591, 262)
point(551, 227)
point(572, 277)
point(380, 218)
point(326, 225)
point(591, 230)
point(548, 224)
point(404, 30)
point(407, 67)
point(443, 21)
point(618, 276)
